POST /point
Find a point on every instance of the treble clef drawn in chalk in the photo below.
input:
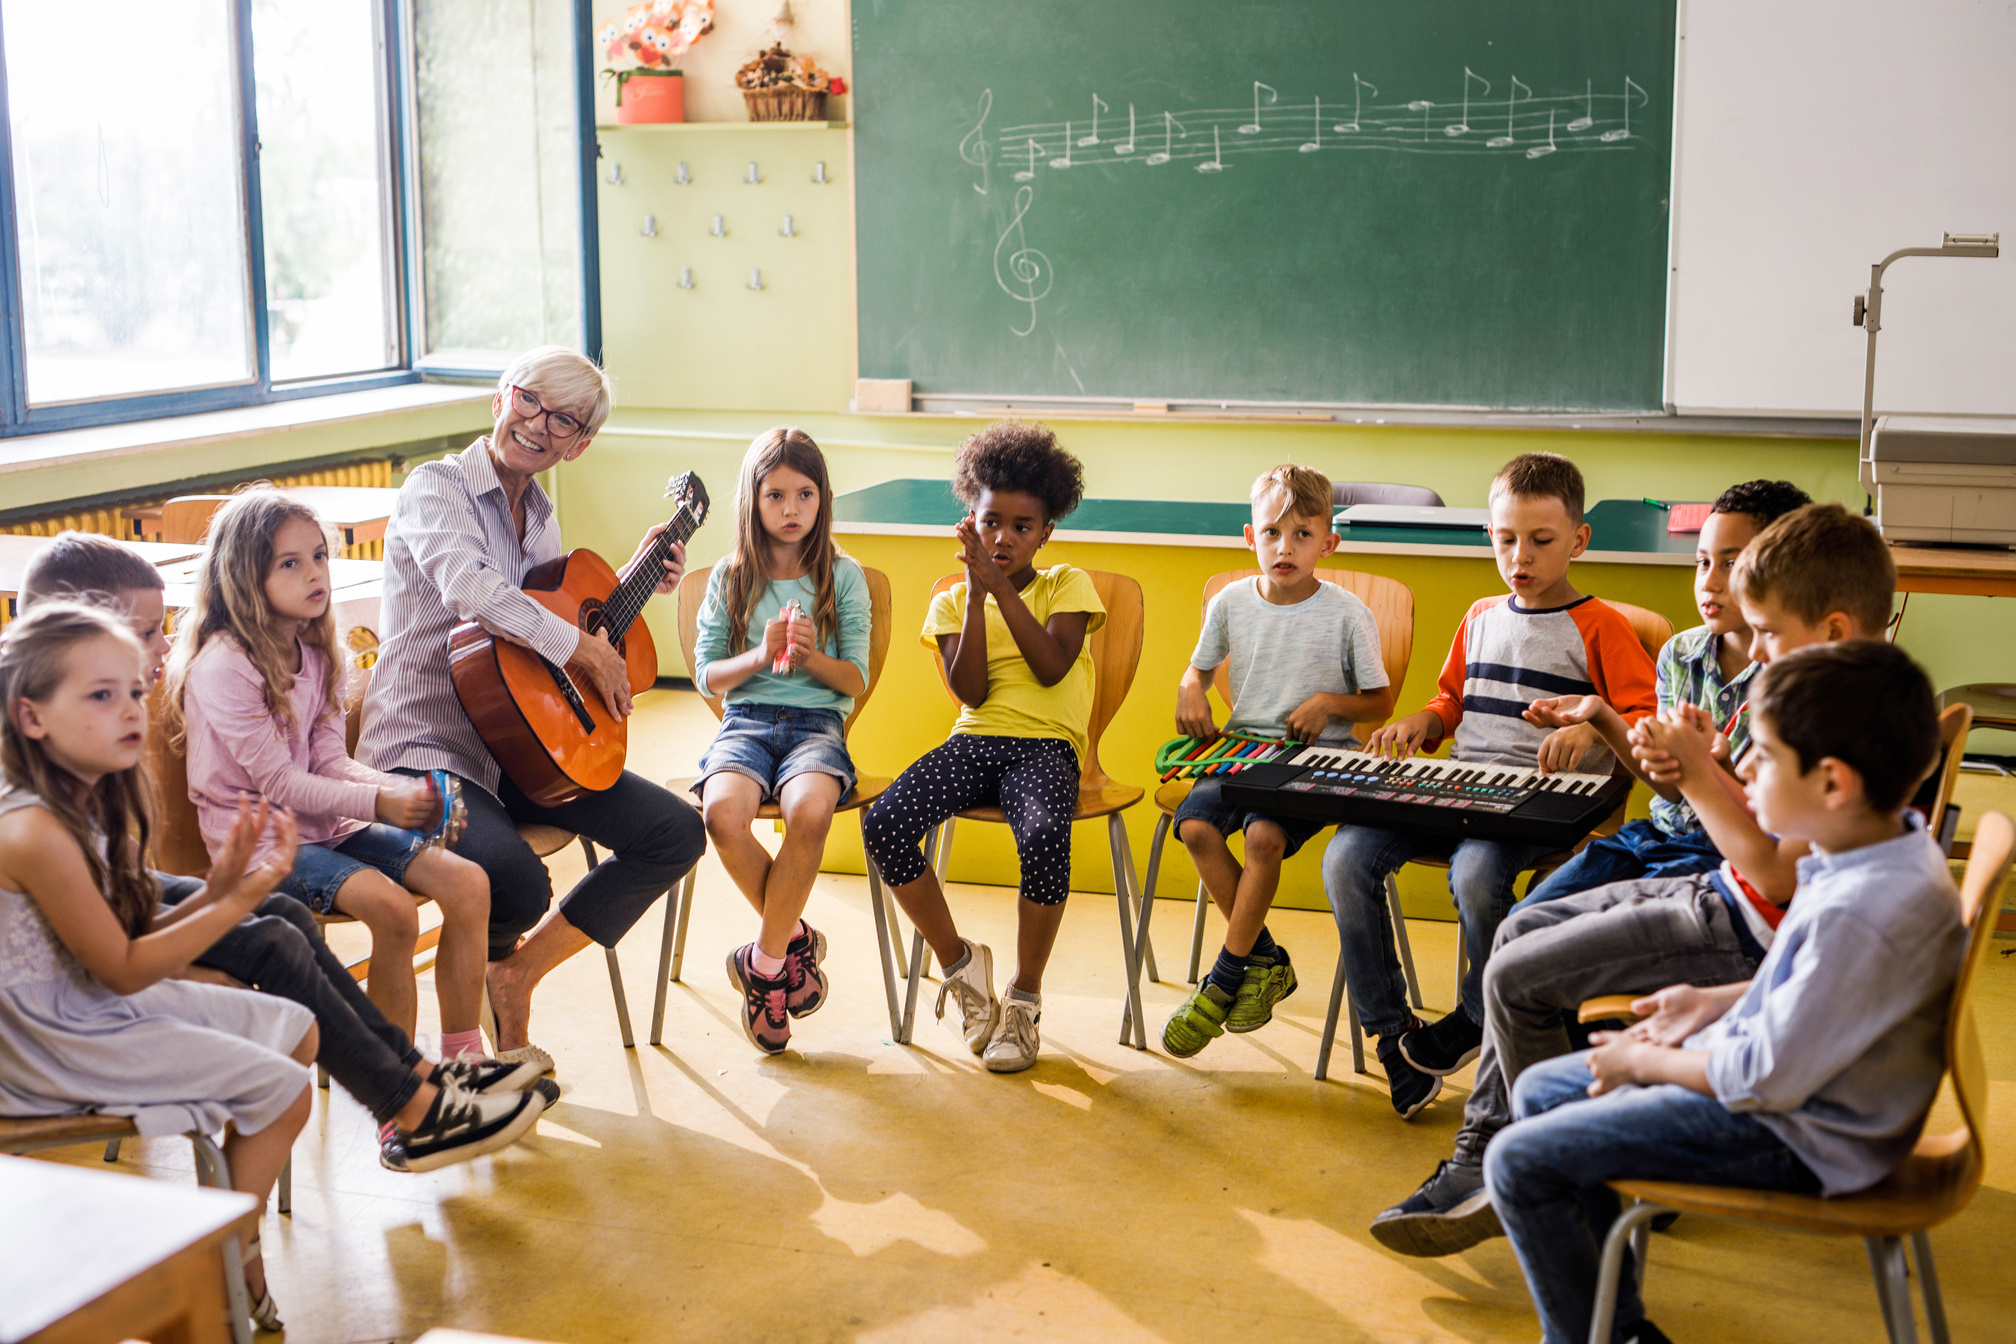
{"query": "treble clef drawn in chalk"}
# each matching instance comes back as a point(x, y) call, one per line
point(975, 148)
point(1027, 276)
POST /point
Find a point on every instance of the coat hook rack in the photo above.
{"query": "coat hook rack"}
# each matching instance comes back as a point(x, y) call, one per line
point(819, 173)
point(650, 229)
point(754, 178)
point(685, 277)
point(719, 230)
point(615, 174)
point(787, 231)
point(755, 278)
point(683, 177)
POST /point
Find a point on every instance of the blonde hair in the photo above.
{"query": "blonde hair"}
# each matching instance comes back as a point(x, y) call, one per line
point(1820, 559)
point(231, 600)
point(747, 573)
point(564, 379)
point(1308, 490)
point(33, 663)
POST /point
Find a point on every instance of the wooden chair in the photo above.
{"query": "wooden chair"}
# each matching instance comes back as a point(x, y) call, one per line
point(1653, 630)
point(1392, 604)
point(867, 788)
point(1935, 1182)
point(1116, 655)
point(185, 518)
point(34, 1134)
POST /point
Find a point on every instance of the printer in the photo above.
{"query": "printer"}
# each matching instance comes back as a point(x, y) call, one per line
point(1944, 478)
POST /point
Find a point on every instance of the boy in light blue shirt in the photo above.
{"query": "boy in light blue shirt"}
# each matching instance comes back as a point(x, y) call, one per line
point(1815, 1077)
point(1305, 665)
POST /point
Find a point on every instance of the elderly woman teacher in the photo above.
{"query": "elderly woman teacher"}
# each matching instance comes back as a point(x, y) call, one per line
point(463, 534)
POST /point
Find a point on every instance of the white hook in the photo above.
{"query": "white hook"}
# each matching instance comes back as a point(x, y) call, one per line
point(719, 230)
point(755, 278)
point(685, 277)
point(819, 172)
point(754, 178)
point(650, 229)
point(787, 231)
point(615, 174)
point(684, 177)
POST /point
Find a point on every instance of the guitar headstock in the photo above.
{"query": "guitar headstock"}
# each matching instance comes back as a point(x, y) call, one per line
point(691, 494)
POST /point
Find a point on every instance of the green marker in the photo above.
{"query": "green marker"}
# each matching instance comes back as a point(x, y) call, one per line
point(1657, 504)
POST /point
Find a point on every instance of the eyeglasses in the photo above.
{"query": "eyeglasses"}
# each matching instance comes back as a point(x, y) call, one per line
point(560, 424)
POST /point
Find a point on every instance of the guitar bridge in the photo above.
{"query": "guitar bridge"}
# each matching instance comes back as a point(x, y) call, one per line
point(572, 695)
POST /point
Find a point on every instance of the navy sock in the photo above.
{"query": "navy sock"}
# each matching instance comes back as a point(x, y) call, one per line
point(1265, 946)
point(1228, 972)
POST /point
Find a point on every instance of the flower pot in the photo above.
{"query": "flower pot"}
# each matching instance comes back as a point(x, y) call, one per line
point(650, 96)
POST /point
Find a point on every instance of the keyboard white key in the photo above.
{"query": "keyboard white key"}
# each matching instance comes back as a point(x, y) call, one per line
point(1432, 770)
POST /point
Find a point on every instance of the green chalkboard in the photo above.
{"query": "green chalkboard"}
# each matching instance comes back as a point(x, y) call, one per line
point(1491, 234)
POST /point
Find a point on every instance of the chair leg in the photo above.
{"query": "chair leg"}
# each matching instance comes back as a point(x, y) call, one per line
point(622, 1003)
point(1146, 892)
point(883, 944)
point(112, 1151)
point(680, 896)
point(285, 1187)
point(685, 918)
point(1400, 939)
point(321, 1077)
point(1132, 1030)
point(1622, 1234)
point(1928, 1284)
point(214, 1171)
point(1330, 1023)
point(1197, 930)
point(1893, 1288)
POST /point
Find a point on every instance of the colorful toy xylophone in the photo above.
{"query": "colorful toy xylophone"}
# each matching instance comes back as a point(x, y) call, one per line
point(1227, 753)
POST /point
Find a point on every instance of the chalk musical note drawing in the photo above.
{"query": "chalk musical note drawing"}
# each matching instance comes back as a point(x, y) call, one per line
point(1064, 162)
point(1625, 134)
point(1588, 117)
point(976, 149)
point(1098, 106)
point(1027, 276)
point(1212, 165)
point(1461, 126)
point(1311, 146)
point(1253, 127)
point(1424, 107)
point(1025, 174)
point(1511, 117)
point(1127, 147)
point(1358, 87)
point(1541, 151)
point(1169, 124)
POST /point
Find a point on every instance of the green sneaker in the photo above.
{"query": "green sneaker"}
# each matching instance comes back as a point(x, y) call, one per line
point(1266, 983)
point(1191, 1027)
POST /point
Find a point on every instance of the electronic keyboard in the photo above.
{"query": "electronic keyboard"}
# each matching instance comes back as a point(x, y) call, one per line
point(1441, 797)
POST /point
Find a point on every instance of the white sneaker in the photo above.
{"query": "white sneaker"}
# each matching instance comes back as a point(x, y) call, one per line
point(1015, 1042)
point(973, 985)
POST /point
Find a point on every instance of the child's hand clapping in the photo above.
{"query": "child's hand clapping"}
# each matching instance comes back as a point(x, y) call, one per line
point(981, 571)
point(1676, 746)
point(1561, 711)
point(228, 876)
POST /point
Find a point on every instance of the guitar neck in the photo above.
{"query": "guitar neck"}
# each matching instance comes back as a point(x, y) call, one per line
point(627, 602)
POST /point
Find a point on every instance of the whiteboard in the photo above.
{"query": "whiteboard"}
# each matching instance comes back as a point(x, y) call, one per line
point(1812, 139)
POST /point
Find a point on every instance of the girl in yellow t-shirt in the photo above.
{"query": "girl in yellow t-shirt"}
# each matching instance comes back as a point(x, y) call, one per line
point(1014, 643)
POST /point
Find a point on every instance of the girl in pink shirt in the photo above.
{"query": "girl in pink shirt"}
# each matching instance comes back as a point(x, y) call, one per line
point(254, 690)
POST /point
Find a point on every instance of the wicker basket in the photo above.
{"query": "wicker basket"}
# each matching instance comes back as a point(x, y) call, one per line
point(785, 104)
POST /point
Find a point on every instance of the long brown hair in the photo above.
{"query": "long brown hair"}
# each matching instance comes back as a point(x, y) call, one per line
point(231, 600)
point(748, 571)
point(33, 662)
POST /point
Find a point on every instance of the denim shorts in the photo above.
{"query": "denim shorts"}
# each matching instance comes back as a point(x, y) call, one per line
point(1207, 803)
point(771, 743)
point(321, 870)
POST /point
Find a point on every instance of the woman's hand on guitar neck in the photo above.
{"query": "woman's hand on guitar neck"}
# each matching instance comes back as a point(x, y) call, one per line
point(597, 659)
point(675, 563)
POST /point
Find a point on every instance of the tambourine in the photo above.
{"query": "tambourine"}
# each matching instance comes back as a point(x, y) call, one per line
point(447, 828)
point(1228, 753)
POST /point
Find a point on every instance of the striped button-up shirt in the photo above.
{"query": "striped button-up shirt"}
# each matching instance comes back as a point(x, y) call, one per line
point(452, 554)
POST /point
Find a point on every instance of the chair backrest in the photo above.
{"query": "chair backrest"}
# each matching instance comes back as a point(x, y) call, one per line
point(693, 590)
point(1345, 493)
point(1954, 721)
point(1116, 656)
point(176, 839)
point(1652, 629)
point(1392, 604)
point(185, 517)
point(1980, 903)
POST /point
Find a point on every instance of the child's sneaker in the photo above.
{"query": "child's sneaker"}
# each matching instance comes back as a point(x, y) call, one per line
point(1451, 1212)
point(1015, 1042)
point(1194, 1025)
point(461, 1125)
point(488, 1075)
point(764, 1020)
point(1445, 1045)
point(1266, 983)
point(1411, 1089)
point(804, 982)
point(973, 985)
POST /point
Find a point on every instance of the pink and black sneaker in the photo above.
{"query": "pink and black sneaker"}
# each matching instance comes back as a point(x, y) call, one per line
point(804, 982)
point(764, 1019)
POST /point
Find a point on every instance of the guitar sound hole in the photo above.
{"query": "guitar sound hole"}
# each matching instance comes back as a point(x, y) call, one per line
point(592, 622)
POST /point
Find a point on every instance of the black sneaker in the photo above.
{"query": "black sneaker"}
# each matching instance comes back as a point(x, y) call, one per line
point(546, 1090)
point(1411, 1088)
point(1451, 1212)
point(492, 1077)
point(1646, 1333)
point(1443, 1046)
point(461, 1125)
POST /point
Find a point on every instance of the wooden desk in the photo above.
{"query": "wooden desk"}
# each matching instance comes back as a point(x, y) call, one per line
point(17, 551)
point(359, 512)
point(1971, 571)
point(88, 1256)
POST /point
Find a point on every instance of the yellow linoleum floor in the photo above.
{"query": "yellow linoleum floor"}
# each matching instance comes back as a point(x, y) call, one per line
point(855, 1190)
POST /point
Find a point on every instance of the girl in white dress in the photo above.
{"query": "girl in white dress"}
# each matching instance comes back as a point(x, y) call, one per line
point(89, 1018)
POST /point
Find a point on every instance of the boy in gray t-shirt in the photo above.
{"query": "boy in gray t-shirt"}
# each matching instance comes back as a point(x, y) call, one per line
point(1304, 664)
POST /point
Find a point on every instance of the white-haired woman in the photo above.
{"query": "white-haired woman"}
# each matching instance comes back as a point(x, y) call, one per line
point(463, 535)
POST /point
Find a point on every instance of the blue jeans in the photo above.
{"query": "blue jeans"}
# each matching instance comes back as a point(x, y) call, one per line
point(1640, 849)
point(1546, 1174)
point(1481, 877)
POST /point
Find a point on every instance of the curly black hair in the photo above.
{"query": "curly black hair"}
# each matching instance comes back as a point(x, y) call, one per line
point(1765, 501)
point(1019, 455)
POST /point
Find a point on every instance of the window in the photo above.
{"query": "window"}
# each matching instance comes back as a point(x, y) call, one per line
point(285, 197)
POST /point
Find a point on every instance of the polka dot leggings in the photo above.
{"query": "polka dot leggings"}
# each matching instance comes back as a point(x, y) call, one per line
point(1033, 780)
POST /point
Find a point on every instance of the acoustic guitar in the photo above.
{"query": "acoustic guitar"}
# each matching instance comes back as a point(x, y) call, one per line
point(551, 733)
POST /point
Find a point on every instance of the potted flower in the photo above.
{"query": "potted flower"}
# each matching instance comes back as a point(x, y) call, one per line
point(649, 38)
